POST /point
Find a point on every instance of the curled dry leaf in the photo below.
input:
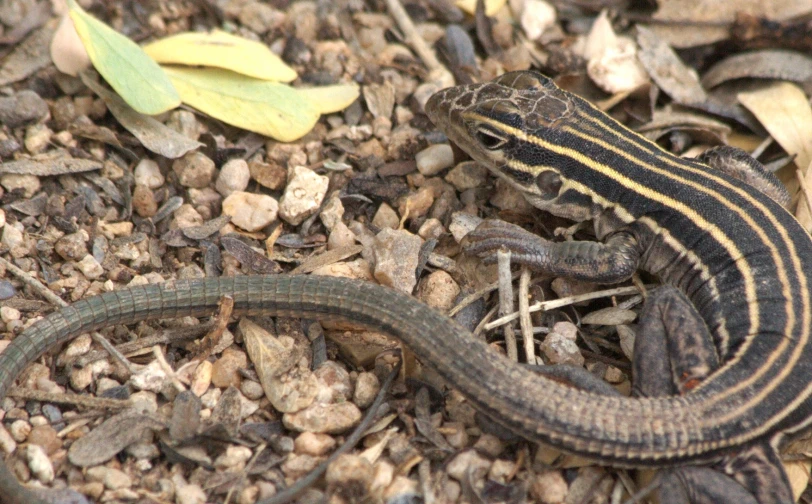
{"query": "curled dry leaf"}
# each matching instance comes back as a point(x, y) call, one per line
point(766, 64)
point(67, 51)
point(152, 134)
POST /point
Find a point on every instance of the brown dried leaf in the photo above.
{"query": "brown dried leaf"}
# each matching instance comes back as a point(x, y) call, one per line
point(248, 257)
point(49, 166)
point(798, 473)
point(380, 99)
point(330, 257)
point(782, 108)
point(271, 356)
point(709, 20)
point(28, 57)
point(678, 80)
point(152, 134)
point(185, 419)
point(206, 229)
point(609, 316)
point(107, 440)
point(275, 359)
point(766, 64)
point(666, 120)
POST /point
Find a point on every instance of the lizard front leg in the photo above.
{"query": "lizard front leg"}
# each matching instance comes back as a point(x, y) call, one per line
point(674, 352)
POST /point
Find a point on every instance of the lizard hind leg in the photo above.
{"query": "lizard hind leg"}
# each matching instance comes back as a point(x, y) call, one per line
point(673, 353)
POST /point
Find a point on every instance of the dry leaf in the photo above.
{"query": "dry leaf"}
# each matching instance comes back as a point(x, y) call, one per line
point(612, 61)
point(783, 109)
point(287, 387)
point(28, 56)
point(667, 70)
point(798, 474)
point(708, 20)
point(329, 99)
point(67, 51)
point(766, 64)
point(152, 134)
point(270, 108)
point(222, 50)
point(491, 6)
point(609, 316)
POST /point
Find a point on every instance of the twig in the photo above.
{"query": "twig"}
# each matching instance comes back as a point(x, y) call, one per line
point(805, 188)
point(436, 70)
point(170, 373)
point(294, 490)
point(558, 303)
point(525, 324)
point(506, 302)
point(35, 284)
point(82, 400)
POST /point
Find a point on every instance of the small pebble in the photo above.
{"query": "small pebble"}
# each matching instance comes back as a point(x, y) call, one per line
point(396, 258)
point(37, 138)
point(305, 191)
point(559, 346)
point(324, 418)
point(30, 184)
point(270, 175)
point(226, 370)
point(234, 458)
point(113, 479)
point(7, 314)
point(386, 217)
point(148, 173)
point(434, 159)
point(194, 169)
point(467, 175)
point(311, 443)
point(190, 494)
point(367, 387)
point(22, 108)
point(234, 176)
point(144, 202)
point(439, 290)
point(90, 267)
point(39, 463)
point(251, 212)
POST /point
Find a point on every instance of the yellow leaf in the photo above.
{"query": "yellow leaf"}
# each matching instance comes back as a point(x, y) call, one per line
point(270, 108)
point(129, 71)
point(329, 99)
point(491, 6)
point(222, 50)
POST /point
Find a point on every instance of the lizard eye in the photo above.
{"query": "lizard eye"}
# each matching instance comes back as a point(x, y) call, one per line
point(490, 139)
point(549, 182)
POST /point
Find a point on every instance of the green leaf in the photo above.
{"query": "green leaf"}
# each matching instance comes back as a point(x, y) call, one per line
point(270, 108)
point(124, 65)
